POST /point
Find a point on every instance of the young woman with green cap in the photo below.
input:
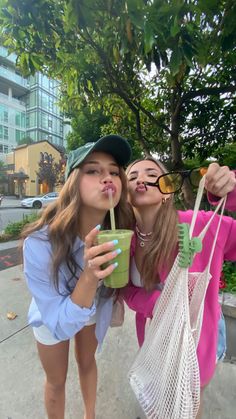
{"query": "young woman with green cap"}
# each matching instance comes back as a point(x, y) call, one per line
point(63, 267)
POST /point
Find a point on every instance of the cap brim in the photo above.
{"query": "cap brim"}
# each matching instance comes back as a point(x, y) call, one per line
point(115, 145)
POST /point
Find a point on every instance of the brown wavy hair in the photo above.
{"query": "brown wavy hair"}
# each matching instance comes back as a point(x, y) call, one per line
point(62, 219)
point(159, 253)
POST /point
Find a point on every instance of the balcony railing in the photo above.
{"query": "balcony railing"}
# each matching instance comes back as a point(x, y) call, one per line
point(5, 99)
point(5, 54)
point(9, 75)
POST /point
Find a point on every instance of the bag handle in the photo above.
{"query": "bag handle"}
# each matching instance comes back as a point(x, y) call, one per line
point(220, 206)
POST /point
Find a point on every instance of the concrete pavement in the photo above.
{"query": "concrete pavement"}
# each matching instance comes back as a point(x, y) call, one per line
point(10, 202)
point(21, 376)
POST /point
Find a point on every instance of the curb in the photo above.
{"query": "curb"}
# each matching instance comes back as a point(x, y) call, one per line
point(9, 244)
point(11, 207)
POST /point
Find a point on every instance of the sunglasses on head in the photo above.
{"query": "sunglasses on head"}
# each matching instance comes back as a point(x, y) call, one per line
point(173, 181)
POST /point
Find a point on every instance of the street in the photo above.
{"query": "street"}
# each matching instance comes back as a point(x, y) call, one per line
point(11, 215)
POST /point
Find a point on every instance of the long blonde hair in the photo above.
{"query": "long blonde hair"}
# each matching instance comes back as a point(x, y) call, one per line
point(62, 219)
point(160, 251)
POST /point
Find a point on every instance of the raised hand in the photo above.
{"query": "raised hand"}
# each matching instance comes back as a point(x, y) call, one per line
point(220, 180)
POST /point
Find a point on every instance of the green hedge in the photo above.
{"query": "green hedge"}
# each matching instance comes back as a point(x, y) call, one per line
point(228, 277)
point(13, 230)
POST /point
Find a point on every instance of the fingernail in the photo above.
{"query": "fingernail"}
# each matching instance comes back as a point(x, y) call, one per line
point(115, 264)
point(115, 241)
point(98, 227)
point(116, 252)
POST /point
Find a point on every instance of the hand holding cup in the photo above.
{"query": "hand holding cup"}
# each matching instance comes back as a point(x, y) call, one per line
point(98, 255)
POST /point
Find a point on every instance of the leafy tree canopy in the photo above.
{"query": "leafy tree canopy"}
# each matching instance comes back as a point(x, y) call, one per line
point(25, 140)
point(47, 172)
point(2, 164)
point(3, 169)
point(227, 155)
point(163, 71)
point(86, 126)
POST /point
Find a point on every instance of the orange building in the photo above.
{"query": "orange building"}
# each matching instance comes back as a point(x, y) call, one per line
point(24, 166)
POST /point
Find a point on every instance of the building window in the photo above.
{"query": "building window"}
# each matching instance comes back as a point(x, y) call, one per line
point(31, 120)
point(45, 101)
point(32, 135)
point(32, 99)
point(50, 105)
point(3, 114)
point(32, 80)
point(3, 132)
point(44, 120)
point(3, 148)
point(17, 119)
point(20, 119)
point(45, 82)
point(19, 135)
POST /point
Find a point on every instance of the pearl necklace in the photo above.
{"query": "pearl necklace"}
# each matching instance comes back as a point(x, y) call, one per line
point(143, 237)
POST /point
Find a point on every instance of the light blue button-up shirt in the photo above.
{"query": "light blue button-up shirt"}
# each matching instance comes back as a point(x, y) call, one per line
point(54, 308)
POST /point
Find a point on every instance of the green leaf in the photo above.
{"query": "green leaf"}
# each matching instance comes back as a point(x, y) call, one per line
point(89, 84)
point(175, 60)
point(135, 10)
point(188, 55)
point(175, 28)
point(148, 38)
point(36, 61)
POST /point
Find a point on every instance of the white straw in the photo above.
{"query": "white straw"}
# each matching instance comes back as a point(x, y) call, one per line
point(112, 216)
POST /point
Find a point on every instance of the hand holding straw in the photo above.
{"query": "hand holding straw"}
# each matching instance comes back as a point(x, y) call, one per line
point(112, 216)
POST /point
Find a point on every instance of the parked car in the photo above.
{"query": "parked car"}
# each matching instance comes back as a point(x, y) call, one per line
point(39, 201)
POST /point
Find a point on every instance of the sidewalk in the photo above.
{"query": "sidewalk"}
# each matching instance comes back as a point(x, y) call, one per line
point(21, 377)
point(10, 202)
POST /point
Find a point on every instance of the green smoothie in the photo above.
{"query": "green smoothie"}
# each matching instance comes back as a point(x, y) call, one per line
point(120, 276)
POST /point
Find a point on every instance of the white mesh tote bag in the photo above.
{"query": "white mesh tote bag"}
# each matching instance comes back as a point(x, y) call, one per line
point(165, 374)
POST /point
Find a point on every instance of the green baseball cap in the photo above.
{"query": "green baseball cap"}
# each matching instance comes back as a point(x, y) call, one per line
point(118, 147)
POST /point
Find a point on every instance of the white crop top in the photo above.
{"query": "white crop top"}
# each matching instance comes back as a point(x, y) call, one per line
point(136, 278)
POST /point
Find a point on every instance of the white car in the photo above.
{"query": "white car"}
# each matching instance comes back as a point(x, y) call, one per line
point(39, 201)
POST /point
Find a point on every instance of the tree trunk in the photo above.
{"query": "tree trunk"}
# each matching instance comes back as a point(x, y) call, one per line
point(178, 162)
point(139, 132)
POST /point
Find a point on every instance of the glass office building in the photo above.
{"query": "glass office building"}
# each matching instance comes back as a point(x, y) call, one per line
point(28, 107)
point(44, 120)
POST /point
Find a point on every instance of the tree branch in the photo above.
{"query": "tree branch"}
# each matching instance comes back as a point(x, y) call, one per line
point(207, 91)
point(153, 119)
point(134, 106)
point(139, 132)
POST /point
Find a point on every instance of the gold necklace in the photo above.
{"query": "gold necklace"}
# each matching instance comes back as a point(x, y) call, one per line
point(143, 237)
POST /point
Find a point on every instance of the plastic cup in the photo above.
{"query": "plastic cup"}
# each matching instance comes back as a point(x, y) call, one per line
point(120, 276)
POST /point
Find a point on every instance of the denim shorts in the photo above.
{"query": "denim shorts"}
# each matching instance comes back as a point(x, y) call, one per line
point(221, 345)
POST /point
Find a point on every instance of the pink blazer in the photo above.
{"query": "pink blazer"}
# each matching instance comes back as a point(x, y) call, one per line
point(141, 301)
